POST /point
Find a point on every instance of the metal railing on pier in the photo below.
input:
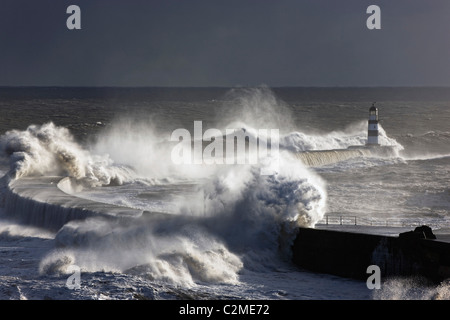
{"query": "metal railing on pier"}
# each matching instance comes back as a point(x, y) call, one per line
point(336, 219)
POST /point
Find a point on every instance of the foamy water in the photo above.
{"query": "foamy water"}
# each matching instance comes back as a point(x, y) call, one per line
point(218, 230)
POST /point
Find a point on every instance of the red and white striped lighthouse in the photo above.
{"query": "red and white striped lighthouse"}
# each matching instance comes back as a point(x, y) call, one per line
point(372, 136)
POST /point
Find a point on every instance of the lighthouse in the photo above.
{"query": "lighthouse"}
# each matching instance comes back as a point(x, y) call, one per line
point(372, 136)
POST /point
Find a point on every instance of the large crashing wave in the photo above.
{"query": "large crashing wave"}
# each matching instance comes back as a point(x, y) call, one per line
point(52, 150)
point(354, 135)
point(49, 150)
point(234, 219)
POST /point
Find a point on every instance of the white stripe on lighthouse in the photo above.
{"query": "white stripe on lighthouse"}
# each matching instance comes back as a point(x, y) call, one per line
point(372, 136)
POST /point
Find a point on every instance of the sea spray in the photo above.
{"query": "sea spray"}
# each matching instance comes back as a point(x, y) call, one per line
point(412, 288)
point(177, 251)
point(354, 135)
point(237, 220)
point(257, 215)
point(51, 150)
point(256, 107)
point(136, 143)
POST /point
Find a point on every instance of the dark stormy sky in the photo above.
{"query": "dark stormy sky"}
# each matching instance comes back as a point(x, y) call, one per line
point(225, 43)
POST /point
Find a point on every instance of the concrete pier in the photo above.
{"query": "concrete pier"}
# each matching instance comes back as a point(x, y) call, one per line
point(349, 253)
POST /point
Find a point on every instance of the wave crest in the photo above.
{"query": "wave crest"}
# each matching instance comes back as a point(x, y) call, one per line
point(51, 150)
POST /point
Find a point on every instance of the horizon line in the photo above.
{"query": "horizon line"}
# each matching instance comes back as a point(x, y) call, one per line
point(220, 87)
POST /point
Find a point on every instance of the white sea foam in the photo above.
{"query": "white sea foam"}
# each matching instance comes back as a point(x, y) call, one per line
point(234, 220)
point(412, 289)
point(51, 150)
point(12, 229)
point(427, 156)
point(221, 234)
point(237, 220)
point(235, 217)
point(354, 135)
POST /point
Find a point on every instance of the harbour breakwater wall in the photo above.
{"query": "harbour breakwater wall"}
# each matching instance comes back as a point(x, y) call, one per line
point(317, 158)
point(320, 158)
point(349, 254)
point(50, 202)
point(39, 201)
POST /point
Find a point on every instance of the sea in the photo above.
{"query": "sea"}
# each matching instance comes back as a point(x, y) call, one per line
point(156, 222)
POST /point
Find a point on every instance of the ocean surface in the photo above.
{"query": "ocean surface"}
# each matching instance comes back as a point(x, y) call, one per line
point(207, 231)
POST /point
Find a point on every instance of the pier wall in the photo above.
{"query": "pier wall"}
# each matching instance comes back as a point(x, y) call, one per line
point(41, 203)
point(348, 254)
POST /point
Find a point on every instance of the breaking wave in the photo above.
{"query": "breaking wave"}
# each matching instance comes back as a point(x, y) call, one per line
point(354, 135)
point(51, 150)
point(232, 220)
